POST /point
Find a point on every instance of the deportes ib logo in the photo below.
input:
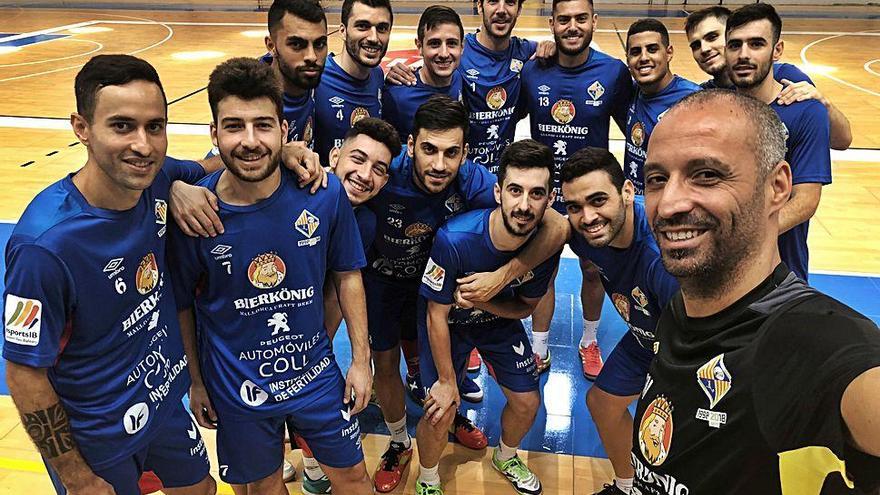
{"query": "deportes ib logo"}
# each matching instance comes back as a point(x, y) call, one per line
point(563, 111)
point(655, 431)
point(496, 97)
point(22, 317)
point(266, 270)
point(147, 275)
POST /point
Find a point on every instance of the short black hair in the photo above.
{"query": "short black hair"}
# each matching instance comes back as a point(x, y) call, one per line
point(377, 130)
point(109, 70)
point(246, 78)
point(441, 113)
point(518, 6)
point(307, 10)
point(756, 12)
point(526, 154)
point(435, 15)
point(348, 4)
point(590, 159)
point(696, 17)
point(557, 2)
point(648, 26)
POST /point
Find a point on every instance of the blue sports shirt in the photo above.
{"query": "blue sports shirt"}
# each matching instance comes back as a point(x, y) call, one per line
point(257, 292)
point(643, 114)
point(634, 278)
point(408, 217)
point(463, 247)
point(340, 101)
point(400, 102)
point(88, 296)
point(571, 108)
point(491, 94)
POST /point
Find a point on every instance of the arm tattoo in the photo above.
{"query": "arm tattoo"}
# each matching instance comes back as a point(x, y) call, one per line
point(50, 430)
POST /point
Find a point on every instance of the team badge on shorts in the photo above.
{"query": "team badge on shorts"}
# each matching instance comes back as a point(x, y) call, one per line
point(641, 301)
point(147, 275)
point(637, 135)
point(266, 270)
point(621, 303)
point(596, 90)
point(417, 229)
point(714, 379)
point(358, 114)
point(563, 111)
point(496, 97)
point(655, 431)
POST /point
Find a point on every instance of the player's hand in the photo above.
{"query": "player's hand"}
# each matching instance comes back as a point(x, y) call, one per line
point(194, 208)
point(460, 301)
point(358, 383)
point(442, 397)
point(305, 164)
point(481, 287)
point(93, 485)
point(546, 50)
point(401, 75)
point(799, 91)
point(201, 407)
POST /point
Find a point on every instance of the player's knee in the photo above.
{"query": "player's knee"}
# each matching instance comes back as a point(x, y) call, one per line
point(210, 486)
point(526, 404)
point(387, 363)
point(352, 478)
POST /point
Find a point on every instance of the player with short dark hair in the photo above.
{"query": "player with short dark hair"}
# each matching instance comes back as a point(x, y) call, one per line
point(611, 230)
point(755, 372)
point(753, 46)
point(263, 358)
point(94, 358)
point(351, 87)
point(447, 333)
point(705, 30)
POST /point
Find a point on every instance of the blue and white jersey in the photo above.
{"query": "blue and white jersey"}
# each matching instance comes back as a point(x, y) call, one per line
point(571, 108)
point(809, 154)
point(408, 218)
point(299, 112)
point(491, 94)
point(88, 296)
point(634, 278)
point(340, 101)
point(643, 114)
point(781, 70)
point(400, 102)
point(257, 292)
point(463, 247)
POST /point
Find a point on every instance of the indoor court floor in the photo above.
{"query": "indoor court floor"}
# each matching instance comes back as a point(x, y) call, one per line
point(41, 50)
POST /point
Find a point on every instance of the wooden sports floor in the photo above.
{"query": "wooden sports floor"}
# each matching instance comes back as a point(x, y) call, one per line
point(42, 49)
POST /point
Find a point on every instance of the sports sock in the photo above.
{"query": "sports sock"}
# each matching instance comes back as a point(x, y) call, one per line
point(539, 343)
point(430, 475)
point(591, 328)
point(505, 452)
point(399, 433)
point(312, 468)
point(625, 484)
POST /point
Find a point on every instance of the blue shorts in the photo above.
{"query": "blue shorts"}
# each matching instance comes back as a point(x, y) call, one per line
point(250, 450)
point(626, 368)
point(391, 311)
point(177, 455)
point(506, 348)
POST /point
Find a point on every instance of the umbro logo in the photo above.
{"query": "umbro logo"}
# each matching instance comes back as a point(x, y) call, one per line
point(113, 265)
point(473, 72)
point(337, 100)
point(220, 249)
point(544, 88)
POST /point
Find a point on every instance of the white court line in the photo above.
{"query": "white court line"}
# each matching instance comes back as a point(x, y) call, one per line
point(868, 66)
point(48, 60)
point(47, 31)
point(829, 76)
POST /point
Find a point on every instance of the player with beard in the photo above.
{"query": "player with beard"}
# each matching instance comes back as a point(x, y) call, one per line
point(611, 230)
point(756, 373)
point(87, 301)
point(481, 241)
point(430, 182)
point(351, 87)
point(571, 102)
point(648, 54)
point(753, 45)
point(265, 286)
point(705, 31)
point(440, 34)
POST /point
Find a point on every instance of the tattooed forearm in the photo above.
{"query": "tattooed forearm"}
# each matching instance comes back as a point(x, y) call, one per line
point(50, 430)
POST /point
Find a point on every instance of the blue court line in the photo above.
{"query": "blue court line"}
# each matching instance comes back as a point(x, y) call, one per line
point(30, 40)
point(563, 424)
